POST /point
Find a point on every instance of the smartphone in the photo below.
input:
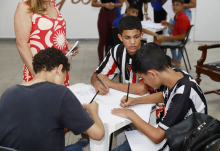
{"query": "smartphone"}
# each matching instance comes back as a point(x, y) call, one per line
point(73, 49)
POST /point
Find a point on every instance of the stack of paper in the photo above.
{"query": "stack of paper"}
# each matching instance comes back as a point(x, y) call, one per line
point(149, 24)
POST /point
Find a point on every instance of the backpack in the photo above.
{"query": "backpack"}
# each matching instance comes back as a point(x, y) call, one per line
point(193, 133)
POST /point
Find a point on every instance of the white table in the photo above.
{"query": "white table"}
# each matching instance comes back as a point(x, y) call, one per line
point(103, 145)
point(150, 38)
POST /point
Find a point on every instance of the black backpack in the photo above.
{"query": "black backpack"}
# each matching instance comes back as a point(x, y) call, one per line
point(193, 133)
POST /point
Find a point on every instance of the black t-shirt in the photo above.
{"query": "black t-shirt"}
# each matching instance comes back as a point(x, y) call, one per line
point(140, 4)
point(33, 117)
point(182, 100)
point(187, 1)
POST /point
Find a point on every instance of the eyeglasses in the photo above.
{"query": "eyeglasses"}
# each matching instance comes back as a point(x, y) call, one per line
point(176, 5)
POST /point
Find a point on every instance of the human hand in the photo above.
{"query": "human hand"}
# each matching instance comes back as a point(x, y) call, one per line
point(112, 4)
point(99, 87)
point(130, 102)
point(105, 80)
point(158, 37)
point(147, 17)
point(91, 108)
point(108, 6)
point(164, 23)
point(125, 113)
point(68, 48)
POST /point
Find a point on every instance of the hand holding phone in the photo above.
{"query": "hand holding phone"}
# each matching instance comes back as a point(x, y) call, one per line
point(73, 49)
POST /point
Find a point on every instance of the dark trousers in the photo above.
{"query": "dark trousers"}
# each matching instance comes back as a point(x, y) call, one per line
point(106, 17)
point(159, 16)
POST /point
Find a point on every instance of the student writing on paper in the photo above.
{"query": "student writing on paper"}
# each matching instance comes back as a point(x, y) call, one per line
point(119, 60)
point(182, 95)
point(33, 114)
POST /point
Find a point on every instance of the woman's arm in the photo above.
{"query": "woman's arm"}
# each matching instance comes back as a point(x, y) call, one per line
point(22, 26)
point(192, 4)
point(97, 4)
point(119, 4)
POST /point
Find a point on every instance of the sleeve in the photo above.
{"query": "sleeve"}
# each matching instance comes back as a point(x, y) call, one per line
point(73, 116)
point(116, 22)
point(183, 25)
point(109, 67)
point(176, 109)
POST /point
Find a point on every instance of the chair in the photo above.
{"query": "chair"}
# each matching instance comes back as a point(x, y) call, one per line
point(180, 46)
point(6, 149)
point(211, 69)
point(213, 146)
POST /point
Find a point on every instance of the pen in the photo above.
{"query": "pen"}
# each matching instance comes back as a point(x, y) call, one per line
point(100, 80)
point(128, 91)
point(94, 97)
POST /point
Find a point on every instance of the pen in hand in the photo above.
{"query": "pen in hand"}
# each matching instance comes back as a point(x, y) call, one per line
point(94, 97)
point(128, 91)
point(100, 80)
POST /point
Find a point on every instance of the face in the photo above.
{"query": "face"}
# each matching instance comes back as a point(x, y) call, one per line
point(151, 78)
point(131, 40)
point(132, 12)
point(177, 7)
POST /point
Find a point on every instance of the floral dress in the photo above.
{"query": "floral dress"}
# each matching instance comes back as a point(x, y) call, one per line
point(46, 32)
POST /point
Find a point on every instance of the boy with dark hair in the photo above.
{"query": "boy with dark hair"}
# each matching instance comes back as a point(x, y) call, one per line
point(132, 10)
point(182, 95)
point(33, 114)
point(119, 60)
point(180, 29)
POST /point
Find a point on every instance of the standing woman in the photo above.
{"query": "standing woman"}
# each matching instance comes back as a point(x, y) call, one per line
point(107, 15)
point(38, 24)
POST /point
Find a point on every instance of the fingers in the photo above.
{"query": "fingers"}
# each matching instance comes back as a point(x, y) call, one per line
point(123, 101)
point(102, 89)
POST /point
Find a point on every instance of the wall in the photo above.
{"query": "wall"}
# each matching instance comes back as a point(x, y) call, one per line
point(82, 20)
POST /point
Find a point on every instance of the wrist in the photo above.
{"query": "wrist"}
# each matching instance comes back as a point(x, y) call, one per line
point(145, 13)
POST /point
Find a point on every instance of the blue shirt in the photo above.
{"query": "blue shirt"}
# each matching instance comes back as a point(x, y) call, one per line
point(116, 22)
point(157, 5)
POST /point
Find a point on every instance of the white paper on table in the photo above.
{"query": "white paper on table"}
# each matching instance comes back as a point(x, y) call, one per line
point(169, 8)
point(139, 142)
point(149, 24)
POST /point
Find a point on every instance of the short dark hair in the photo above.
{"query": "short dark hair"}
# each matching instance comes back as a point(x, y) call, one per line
point(180, 1)
point(133, 6)
point(149, 56)
point(49, 58)
point(129, 23)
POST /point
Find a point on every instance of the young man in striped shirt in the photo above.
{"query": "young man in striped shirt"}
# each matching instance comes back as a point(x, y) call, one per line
point(119, 60)
point(182, 95)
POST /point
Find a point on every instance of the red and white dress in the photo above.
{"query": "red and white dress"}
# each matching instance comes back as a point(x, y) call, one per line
point(46, 32)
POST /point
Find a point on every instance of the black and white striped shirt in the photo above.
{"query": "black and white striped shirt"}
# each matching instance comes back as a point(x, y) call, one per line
point(182, 100)
point(118, 60)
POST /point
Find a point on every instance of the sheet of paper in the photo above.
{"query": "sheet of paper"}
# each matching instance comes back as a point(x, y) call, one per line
point(169, 8)
point(150, 24)
point(139, 142)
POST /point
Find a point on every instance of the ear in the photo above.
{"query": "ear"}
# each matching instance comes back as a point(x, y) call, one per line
point(59, 69)
point(142, 34)
point(152, 74)
point(119, 36)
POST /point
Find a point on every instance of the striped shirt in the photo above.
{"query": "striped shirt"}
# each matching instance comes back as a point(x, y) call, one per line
point(182, 100)
point(118, 60)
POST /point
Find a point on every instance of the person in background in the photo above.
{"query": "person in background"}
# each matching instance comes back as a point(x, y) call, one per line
point(107, 15)
point(38, 25)
point(33, 114)
point(140, 3)
point(180, 29)
point(186, 10)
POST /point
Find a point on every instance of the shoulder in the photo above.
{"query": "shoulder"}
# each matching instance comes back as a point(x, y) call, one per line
point(23, 8)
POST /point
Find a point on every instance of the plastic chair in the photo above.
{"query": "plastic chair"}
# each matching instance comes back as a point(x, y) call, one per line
point(6, 149)
point(180, 46)
point(213, 146)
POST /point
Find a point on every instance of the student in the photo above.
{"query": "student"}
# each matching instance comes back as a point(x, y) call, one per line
point(180, 29)
point(182, 95)
point(33, 114)
point(132, 10)
point(119, 60)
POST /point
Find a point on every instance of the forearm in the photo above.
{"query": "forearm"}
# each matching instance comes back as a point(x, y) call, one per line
point(94, 4)
point(192, 4)
point(135, 88)
point(170, 26)
point(26, 55)
point(178, 37)
point(151, 132)
point(97, 120)
point(118, 5)
point(150, 99)
point(149, 32)
point(145, 7)
point(94, 81)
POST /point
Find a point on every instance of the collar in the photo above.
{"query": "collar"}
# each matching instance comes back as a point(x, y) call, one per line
point(179, 16)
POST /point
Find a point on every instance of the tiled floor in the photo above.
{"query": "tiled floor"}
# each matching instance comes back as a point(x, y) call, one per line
point(84, 64)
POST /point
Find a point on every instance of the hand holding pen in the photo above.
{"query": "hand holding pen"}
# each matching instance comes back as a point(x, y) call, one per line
point(103, 85)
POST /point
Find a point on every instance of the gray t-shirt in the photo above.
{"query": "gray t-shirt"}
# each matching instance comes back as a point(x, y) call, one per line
point(33, 117)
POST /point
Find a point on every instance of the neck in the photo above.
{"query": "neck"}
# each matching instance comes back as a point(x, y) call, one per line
point(177, 14)
point(170, 78)
point(45, 4)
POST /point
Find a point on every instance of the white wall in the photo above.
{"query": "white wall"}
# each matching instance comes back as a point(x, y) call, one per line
point(82, 19)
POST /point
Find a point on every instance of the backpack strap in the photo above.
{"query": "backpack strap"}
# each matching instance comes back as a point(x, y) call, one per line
point(164, 146)
point(119, 53)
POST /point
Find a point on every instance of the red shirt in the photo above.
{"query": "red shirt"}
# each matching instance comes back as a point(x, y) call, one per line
point(182, 24)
